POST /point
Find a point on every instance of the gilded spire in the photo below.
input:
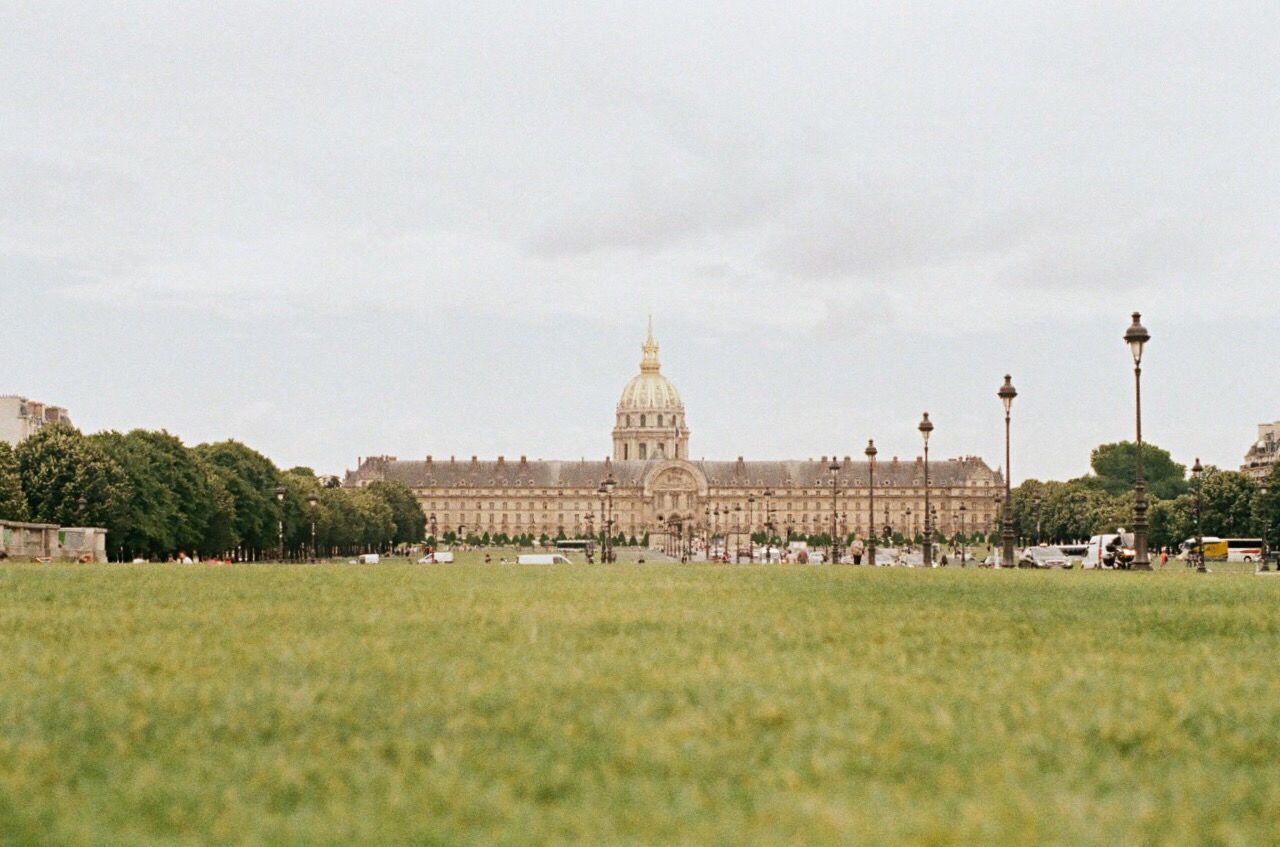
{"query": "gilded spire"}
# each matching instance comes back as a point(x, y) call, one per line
point(649, 364)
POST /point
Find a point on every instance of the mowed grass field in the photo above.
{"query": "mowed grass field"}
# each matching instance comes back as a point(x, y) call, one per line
point(655, 704)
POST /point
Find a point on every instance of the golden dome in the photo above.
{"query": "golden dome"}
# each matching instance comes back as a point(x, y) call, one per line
point(649, 390)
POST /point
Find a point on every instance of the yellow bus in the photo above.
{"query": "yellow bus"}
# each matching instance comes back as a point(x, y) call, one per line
point(1214, 548)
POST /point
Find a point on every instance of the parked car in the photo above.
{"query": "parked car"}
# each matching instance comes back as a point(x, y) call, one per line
point(1043, 557)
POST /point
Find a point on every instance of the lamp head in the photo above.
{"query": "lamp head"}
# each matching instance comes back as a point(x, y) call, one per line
point(1006, 393)
point(1136, 336)
point(925, 427)
point(871, 450)
point(1197, 468)
point(280, 493)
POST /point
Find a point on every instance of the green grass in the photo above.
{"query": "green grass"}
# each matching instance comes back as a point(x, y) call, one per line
point(635, 705)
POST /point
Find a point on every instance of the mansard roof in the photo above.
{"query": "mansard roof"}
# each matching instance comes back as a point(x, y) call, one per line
point(808, 473)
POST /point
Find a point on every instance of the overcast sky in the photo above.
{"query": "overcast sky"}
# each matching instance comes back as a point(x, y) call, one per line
point(332, 231)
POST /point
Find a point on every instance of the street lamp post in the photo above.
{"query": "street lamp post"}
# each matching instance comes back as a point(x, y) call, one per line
point(834, 467)
point(279, 522)
point(926, 429)
point(1137, 338)
point(870, 453)
point(1006, 394)
point(312, 501)
point(1265, 565)
point(963, 538)
point(1036, 501)
point(1197, 471)
point(751, 541)
point(738, 513)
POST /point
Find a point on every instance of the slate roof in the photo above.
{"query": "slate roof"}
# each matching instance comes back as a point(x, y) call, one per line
point(812, 473)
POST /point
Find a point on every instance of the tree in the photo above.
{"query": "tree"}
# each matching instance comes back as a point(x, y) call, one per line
point(1116, 468)
point(1266, 507)
point(58, 466)
point(406, 511)
point(13, 503)
point(251, 479)
point(1228, 503)
point(172, 499)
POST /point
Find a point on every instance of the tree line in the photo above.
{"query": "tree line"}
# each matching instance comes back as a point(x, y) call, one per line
point(158, 498)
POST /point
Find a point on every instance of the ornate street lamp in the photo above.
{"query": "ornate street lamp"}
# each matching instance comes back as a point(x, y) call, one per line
point(1197, 471)
point(312, 501)
point(834, 467)
point(737, 532)
point(1263, 490)
point(609, 485)
point(751, 541)
point(963, 538)
point(1036, 500)
point(1137, 337)
point(280, 522)
point(1006, 394)
point(926, 429)
point(870, 453)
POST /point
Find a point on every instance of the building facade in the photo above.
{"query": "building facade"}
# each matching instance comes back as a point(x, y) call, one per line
point(1264, 453)
point(658, 486)
point(21, 418)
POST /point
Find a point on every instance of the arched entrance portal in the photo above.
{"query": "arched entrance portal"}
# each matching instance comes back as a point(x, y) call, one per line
point(675, 491)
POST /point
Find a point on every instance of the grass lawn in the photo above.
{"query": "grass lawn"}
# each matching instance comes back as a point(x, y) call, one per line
point(397, 704)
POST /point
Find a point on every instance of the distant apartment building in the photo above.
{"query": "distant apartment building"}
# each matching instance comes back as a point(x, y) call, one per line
point(1264, 453)
point(21, 418)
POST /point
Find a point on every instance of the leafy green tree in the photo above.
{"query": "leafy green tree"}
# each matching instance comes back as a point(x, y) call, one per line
point(1228, 503)
point(251, 479)
point(406, 511)
point(13, 503)
point(1116, 468)
point(172, 499)
point(58, 466)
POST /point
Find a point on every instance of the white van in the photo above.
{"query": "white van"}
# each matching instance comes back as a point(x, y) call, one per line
point(542, 559)
point(1095, 552)
point(440, 557)
point(368, 559)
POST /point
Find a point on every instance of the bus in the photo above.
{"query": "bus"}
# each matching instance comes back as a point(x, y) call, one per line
point(1244, 549)
point(586, 546)
point(1214, 548)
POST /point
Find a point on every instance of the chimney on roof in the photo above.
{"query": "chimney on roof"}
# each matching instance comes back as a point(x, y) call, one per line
point(824, 460)
point(451, 460)
point(846, 460)
point(474, 460)
point(502, 460)
point(428, 458)
point(523, 460)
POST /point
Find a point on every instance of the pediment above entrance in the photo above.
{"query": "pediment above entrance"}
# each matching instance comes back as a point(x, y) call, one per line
point(675, 475)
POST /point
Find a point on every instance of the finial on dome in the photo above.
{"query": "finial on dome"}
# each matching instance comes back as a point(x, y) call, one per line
point(649, 364)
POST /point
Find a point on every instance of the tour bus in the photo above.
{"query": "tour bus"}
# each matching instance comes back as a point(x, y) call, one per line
point(1244, 549)
point(1215, 548)
point(542, 559)
point(585, 545)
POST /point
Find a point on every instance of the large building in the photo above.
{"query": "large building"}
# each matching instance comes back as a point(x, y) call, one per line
point(656, 481)
point(21, 418)
point(1264, 453)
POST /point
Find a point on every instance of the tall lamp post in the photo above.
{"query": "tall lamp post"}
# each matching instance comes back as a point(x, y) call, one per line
point(1036, 501)
point(834, 467)
point(280, 522)
point(312, 501)
point(609, 485)
point(1137, 337)
point(1006, 394)
point(926, 429)
point(1197, 471)
point(737, 532)
point(963, 537)
point(751, 541)
point(870, 453)
point(1265, 565)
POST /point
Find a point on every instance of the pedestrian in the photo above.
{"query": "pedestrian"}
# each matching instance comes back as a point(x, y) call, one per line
point(1164, 556)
